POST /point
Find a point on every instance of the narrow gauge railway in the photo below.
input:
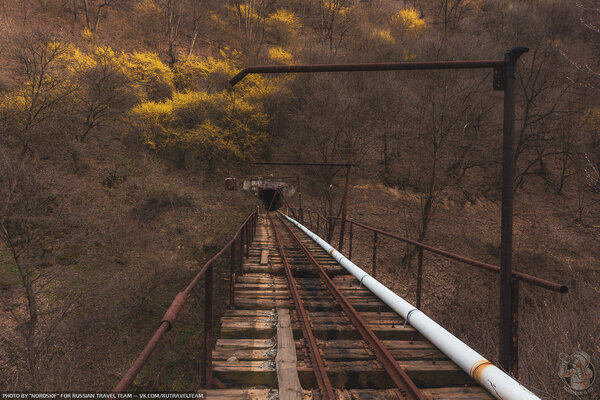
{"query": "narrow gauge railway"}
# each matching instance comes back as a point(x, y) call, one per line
point(303, 328)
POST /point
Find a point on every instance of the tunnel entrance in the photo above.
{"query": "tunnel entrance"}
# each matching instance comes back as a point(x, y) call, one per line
point(272, 198)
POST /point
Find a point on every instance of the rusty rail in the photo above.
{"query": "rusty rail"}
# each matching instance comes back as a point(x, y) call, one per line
point(405, 385)
point(244, 235)
point(317, 361)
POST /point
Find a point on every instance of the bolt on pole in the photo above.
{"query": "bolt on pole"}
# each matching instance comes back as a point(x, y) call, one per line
point(508, 172)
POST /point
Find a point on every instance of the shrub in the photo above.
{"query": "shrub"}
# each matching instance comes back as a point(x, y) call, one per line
point(410, 18)
point(152, 78)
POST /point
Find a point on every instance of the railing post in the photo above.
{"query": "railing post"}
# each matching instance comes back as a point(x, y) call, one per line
point(318, 223)
point(345, 204)
point(350, 244)
point(342, 229)
point(329, 229)
point(374, 271)
point(419, 277)
point(300, 209)
point(241, 253)
point(514, 366)
point(247, 241)
point(208, 316)
point(232, 276)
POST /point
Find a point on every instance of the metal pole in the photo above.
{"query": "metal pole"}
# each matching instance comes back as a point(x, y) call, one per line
point(419, 277)
point(350, 255)
point(300, 210)
point(505, 357)
point(514, 370)
point(241, 253)
point(374, 254)
point(232, 277)
point(247, 241)
point(208, 288)
point(345, 203)
point(329, 228)
point(318, 223)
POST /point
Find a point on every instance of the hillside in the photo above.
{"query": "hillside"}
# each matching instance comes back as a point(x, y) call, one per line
point(118, 127)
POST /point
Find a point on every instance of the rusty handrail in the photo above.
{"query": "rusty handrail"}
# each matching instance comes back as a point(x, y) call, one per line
point(173, 311)
point(555, 287)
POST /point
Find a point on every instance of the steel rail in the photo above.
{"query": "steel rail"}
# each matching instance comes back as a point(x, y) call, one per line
point(171, 314)
point(394, 66)
point(402, 381)
point(553, 286)
point(317, 361)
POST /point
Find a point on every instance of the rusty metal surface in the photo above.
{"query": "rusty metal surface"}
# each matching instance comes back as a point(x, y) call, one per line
point(394, 66)
point(208, 327)
point(402, 381)
point(419, 277)
point(302, 164)
point(173, 310)
point(317, 361)
point(345, 202)
point(175, 307)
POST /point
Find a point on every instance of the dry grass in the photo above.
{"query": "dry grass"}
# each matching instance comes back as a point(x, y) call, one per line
point(124, 249)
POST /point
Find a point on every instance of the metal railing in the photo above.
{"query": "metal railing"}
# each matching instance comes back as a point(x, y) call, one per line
point(238, 244)
point(329, 227)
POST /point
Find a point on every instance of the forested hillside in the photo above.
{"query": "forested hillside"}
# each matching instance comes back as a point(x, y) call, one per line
point(118, 126)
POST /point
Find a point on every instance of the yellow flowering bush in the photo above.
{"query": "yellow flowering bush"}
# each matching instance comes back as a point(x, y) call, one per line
point(153, 78)
point(216, 125)
point(410, 18)
point(280, 55)
point(383, 35)
point(283, 26)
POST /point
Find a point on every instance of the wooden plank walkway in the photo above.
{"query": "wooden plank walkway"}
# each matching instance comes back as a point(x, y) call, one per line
point(261, 354)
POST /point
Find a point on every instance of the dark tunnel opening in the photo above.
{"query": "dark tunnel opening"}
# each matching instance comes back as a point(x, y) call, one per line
point(271, 198)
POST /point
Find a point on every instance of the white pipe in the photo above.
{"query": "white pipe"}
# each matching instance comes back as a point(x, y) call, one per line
point(499, 384)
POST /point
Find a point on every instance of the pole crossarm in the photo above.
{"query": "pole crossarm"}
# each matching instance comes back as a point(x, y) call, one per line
point(393, 66)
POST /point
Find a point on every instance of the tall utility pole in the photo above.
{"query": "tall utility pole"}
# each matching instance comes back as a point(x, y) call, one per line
point(507, 340)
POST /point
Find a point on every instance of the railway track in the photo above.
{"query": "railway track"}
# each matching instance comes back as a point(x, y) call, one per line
point(302, 328)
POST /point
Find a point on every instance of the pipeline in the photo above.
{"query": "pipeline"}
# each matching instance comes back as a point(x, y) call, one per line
point(498, 383)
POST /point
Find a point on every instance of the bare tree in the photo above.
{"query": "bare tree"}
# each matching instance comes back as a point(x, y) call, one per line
point(544, 94)
point(443, 108)
point(330, 123)
point(44, 89)
point(93, 11)
point(334, 22)
point(103, 94)
point(252, 16)
point(25, 218)
point(452, 11)
point(196, 15)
